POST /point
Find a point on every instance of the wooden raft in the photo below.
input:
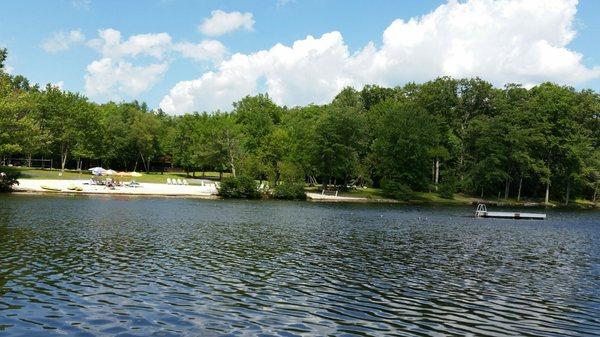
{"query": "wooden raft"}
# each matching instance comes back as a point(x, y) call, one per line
point(482, 212)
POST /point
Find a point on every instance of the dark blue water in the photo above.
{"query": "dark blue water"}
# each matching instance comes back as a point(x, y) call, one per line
point(102, 266)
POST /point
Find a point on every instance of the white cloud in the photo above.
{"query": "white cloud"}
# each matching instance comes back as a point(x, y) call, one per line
point(159, 45)
point(205, 50)
point(501, 41)
point(61, 41)
point(221, 22)
point(308, 70)
point(109, 44)
point(108, 79)
point(115, 73)
point(59, 85)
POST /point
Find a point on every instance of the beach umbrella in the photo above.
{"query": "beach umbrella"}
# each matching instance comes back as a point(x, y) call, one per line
point(124, 174)
point(136, 174)
point(97, 171)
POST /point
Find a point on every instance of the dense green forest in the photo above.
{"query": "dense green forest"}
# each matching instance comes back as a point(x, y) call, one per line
point(444, 135)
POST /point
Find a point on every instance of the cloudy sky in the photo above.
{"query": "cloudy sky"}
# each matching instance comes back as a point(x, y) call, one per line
point(184, 56)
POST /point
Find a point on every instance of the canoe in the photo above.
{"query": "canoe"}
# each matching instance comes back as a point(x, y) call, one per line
point(50, 188)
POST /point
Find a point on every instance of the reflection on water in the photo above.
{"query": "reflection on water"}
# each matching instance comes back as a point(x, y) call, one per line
point(169, 267)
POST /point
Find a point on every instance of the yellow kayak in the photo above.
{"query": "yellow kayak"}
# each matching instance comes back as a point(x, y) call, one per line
point(50, 188)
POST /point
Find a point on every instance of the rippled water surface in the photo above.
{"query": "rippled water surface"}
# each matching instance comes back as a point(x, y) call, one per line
point(97, 266)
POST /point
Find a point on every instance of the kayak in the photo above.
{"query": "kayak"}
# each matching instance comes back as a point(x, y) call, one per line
point(50, 188)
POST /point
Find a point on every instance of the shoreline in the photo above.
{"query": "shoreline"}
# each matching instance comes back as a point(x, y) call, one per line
point(133, 195)
point(40, 186)
point(317, 197)
point(207, 190)
point(471, 201)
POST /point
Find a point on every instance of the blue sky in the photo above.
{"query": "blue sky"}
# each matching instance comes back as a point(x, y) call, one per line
point(557, 44)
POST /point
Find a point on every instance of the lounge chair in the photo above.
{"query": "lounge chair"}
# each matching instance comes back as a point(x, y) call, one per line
point(185, 182)
point(97, 180)
point(133, 183)
point(168, 181)
point(179, 182)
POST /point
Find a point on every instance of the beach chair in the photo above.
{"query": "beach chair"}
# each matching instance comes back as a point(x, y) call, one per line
point(97, 180)
point(185, 182)
point(133, 183)
point(169, 181)
point(179, 182)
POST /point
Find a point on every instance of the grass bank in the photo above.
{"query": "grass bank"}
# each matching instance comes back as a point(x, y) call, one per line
point(376, 194)
point(368, 194)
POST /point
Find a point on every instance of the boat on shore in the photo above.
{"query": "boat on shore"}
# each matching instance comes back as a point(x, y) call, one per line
point(50, 188)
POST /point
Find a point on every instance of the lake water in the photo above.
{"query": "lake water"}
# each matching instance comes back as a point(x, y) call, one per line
point(106, 266)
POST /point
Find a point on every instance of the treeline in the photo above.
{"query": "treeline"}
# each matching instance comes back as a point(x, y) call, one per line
point(446, 135)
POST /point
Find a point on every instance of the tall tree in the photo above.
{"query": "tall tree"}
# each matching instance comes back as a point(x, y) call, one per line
point(69, 119)
point(338, 137)
point(406, 135)
point(145, 129)
point(257, 116)
point(226, 138)
point(3, 54)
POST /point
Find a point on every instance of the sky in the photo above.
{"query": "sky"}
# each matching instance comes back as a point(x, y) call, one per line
point(183, 56)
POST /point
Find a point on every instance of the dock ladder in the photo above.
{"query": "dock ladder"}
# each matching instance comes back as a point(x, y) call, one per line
point(481, 210)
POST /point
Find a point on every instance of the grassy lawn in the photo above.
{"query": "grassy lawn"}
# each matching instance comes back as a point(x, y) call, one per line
point(586, 203)
point(431, 197)
point(419, 197)
point(369, 193)
point(459, 199)
point(153, 177)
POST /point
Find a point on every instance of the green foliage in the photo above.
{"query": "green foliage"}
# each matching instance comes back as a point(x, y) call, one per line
point(511, 140)
point(257, 117)
point(3, 54)
point(448, 188)
point(8, 180)
point(406, 137)
point(338, 143)
point(240, 187)
point(252, 166)
point(372, 95)
point(396, 190)
point(290, 191)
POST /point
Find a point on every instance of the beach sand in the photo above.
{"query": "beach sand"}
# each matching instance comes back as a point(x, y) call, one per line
point(207, 191)
point(35, 185)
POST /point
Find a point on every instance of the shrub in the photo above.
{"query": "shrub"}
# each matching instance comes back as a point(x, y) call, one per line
point(241, 187)
point(7, 180)
point(447, 188)
point(396, 190)
point(290, 191)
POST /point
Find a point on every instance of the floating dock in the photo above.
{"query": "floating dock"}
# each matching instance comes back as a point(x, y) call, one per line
point(482, 212)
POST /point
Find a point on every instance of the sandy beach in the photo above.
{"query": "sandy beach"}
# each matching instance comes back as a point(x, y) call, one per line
point(62, 186)
point(207, 190)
